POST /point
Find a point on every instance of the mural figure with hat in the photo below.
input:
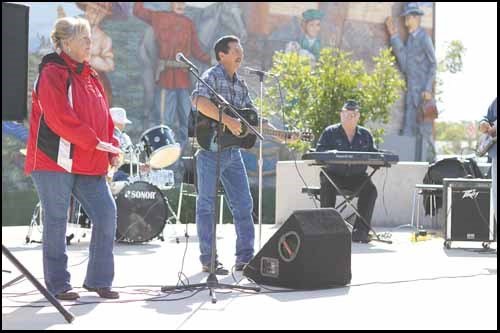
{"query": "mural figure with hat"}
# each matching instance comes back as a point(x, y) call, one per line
point(417, 60)
point(174, 33)
point(310, 43)
point(101, 53)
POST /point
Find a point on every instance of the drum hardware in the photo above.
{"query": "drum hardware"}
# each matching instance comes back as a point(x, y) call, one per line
point(36, 223)
point(77, 220)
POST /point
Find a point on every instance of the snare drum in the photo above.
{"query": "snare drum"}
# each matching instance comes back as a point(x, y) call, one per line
point(160, 146)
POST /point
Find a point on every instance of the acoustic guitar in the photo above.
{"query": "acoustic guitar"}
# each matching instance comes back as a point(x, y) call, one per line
point(207, 129)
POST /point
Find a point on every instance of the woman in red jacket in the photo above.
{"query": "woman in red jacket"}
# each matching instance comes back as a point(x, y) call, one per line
point(70, 148)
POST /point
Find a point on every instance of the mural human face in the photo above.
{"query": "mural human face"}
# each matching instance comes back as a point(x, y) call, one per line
point(312, 28)
point(95, 13)
point(78, 47)
point(234, 57)
point(412, 22)
point(178, 7)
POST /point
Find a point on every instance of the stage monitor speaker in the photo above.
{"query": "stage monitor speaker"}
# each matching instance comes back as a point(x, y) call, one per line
point(311, 250)
point(469, 213)
point(15, 19)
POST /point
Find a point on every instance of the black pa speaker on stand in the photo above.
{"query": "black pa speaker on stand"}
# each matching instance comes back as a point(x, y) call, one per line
point(15, 18)
point(311, 250)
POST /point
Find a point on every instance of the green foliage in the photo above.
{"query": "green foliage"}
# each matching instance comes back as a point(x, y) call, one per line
point(313, 96)
point(457, 137)
point(452, 63)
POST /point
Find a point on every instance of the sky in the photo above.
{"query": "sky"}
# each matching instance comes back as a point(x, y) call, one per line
point(467, 95)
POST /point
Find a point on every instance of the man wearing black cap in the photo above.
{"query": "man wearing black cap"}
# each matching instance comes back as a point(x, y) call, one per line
point(348, 136)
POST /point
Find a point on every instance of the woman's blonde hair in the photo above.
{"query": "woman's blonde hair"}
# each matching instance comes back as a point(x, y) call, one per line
point(66, 28)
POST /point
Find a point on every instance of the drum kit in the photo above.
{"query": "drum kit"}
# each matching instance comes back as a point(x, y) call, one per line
point(143, 209)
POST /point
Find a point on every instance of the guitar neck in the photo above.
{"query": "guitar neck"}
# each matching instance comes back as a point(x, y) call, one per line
point(278, 133)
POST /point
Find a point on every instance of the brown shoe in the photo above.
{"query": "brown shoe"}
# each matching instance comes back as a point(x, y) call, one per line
point(240, 266)
point(219, 269)
point(105, 292)
point(68, 296)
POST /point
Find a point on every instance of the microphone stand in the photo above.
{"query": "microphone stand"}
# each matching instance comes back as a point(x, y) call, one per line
point(261, 160)
point(212, 283)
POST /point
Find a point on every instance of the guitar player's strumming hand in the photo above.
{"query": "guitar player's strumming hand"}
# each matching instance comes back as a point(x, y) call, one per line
point(486, 128)
point(232, 124)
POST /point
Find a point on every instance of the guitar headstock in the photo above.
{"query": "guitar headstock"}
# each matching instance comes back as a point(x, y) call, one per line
point(307, 135)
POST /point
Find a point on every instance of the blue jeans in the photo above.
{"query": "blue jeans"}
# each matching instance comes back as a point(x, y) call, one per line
point(494, 184)
point(235, 182)
point(177, 104)
point(54, 190)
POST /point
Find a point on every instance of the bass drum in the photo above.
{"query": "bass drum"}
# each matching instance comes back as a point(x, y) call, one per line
point(142, 213)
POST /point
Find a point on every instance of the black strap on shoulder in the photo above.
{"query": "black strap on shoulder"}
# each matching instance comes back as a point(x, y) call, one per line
point(53, 58)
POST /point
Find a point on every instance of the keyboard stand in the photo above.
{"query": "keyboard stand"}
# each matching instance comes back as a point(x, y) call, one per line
point(348, 201)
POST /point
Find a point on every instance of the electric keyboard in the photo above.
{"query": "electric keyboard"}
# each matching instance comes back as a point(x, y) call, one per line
point(380, 159)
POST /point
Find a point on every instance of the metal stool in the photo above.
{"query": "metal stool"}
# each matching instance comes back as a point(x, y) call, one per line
point(433, 191)
point(313, 192)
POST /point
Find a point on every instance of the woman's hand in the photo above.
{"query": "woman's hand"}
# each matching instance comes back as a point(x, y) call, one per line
point(108, 147)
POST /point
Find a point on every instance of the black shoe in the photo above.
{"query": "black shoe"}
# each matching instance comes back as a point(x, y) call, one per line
point(240, 266)
point(359, 236)
point(219, 269)
point(68, 296)
point(105, 292)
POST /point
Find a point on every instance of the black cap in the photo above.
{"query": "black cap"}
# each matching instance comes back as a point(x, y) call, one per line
point(351, 105)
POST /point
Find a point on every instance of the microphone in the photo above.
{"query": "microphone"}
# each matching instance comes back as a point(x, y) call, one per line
point(179, 57)
point(250, 70)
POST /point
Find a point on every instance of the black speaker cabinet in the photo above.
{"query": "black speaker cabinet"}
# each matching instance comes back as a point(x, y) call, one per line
point(14, 61)
point(312, 249)
point(468, 214)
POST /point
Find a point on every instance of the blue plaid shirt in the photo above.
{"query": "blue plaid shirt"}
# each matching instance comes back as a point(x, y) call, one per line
point(234, 89)
point(491, 118)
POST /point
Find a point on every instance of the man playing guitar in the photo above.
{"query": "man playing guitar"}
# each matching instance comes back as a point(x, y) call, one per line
point(223, 78)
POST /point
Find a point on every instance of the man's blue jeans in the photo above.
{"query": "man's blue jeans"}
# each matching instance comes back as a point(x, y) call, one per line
point(54, 190)
point(237, 190)
point(494, 183)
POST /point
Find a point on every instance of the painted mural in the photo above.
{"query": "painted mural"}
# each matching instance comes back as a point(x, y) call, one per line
point(132, 53)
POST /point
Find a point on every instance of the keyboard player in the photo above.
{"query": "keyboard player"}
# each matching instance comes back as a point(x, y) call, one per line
point(349, 136)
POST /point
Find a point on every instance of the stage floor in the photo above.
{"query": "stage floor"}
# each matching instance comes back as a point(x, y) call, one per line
point(405, 285)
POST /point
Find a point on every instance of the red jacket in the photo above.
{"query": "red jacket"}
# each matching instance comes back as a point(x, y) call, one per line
point(174, 33)
point(69, 116)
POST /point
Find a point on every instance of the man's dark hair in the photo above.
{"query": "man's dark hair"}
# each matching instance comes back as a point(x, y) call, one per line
point(222, 45)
